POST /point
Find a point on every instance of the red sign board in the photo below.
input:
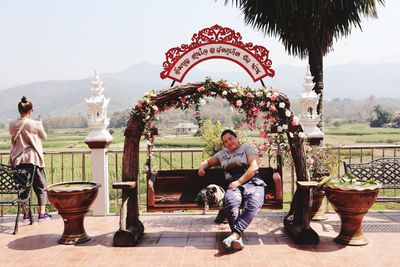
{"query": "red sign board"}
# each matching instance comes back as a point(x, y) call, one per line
point(217, 42)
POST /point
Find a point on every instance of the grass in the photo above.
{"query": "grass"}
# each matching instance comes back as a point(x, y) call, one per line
point(361, 133)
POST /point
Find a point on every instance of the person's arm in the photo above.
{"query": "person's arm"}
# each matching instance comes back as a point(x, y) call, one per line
point(213, 161)
point(252, 161)
point(41, 132)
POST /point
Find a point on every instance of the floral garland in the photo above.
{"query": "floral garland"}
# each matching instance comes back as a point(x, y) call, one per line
point(266, 101)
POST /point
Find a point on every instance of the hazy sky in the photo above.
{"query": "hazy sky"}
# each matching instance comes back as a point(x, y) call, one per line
point(58, 40)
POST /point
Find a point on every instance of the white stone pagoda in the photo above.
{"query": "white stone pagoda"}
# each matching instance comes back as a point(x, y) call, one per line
point(98, 140)
point(97, 115)
point(309, 101)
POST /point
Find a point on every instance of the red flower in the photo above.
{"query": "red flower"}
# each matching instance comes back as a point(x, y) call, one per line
point(224, 85)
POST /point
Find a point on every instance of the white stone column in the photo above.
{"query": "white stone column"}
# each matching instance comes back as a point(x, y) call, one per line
point(100, 175)
point(98, 141)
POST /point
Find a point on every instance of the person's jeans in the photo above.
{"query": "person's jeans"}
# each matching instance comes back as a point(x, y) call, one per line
point(251, 194)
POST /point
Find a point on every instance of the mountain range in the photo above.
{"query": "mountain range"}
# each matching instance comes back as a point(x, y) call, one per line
point(124, 88)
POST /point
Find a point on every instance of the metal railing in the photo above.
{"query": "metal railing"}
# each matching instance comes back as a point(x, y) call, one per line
point(76, 165)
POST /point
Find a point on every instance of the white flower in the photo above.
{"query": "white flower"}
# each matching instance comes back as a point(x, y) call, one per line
point(279, 129)
point(291, 135)
point(288, 113)
point(239, 103)
point(202, 102)
point(259, 93)
point(282, 105)
point(224, 92)
point(269, 94)
point(268, 104)
point(285, 127)
point(234, 90)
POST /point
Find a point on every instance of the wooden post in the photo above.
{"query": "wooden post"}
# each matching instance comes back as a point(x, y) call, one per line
point(131, 229)
point(297, 221)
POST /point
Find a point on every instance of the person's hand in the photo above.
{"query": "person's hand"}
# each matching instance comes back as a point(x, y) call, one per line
point(201, 172)
point(233, 184)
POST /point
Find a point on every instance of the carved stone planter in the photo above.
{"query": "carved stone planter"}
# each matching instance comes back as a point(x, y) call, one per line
point(351, 204)
point(72, 200)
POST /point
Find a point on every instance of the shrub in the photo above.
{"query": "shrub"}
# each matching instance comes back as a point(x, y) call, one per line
point(211, 135)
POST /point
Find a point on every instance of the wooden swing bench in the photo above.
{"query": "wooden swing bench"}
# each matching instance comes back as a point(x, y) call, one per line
point(176, 190)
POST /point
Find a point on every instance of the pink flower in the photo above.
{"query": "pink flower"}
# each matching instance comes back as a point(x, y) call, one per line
point(182, 99)
point(272, 108)
point(310, 161)
point(264, 135)
point(155, 108)
point(249, 95)
point(273, 97)
point(295, 121)
point(201, 89)
point(272, 120)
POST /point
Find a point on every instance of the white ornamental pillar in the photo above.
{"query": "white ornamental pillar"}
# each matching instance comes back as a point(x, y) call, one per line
point(98, 141)
point(309, 116)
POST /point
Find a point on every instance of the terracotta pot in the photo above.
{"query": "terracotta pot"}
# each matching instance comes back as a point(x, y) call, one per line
point(351, 204)
point(72, 200)
point(317, 209)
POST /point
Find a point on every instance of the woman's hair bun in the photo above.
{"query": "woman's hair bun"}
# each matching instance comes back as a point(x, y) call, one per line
point(24, 99)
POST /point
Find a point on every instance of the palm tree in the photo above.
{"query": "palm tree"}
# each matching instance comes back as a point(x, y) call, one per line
point(308, 27)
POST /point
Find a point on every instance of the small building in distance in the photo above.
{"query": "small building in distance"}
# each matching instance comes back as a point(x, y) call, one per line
point(186, 128)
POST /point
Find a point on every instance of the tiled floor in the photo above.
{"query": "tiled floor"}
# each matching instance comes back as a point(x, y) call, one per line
point(194, 240)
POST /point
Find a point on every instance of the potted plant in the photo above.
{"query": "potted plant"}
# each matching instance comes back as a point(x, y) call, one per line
point(351, 199)
point(321, 162)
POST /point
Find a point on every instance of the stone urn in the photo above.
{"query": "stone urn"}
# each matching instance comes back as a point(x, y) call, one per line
point(351, 204)
point(72, 200)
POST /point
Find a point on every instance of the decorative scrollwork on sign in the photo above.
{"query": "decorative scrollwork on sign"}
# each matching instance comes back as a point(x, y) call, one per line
point(217, 42)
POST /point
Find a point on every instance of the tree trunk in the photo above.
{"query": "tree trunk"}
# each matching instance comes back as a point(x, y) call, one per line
point(315, 60)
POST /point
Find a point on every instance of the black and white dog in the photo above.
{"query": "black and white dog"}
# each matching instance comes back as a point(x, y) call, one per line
point(211, 195)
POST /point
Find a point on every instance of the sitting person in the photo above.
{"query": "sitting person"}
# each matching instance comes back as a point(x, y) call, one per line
point(240, 165)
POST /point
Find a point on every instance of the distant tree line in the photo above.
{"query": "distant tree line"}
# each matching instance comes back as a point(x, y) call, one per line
point(385, 118)
point(382, 112)
point(59, 122)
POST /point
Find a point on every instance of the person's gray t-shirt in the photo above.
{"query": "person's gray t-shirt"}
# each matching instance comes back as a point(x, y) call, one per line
point(235, 164)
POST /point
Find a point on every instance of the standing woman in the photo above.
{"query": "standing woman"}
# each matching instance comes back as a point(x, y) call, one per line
point(240, 165)
point(26, 138)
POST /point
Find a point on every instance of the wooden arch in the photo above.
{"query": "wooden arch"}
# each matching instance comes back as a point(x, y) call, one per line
point(217, 42)
point(131, 228)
